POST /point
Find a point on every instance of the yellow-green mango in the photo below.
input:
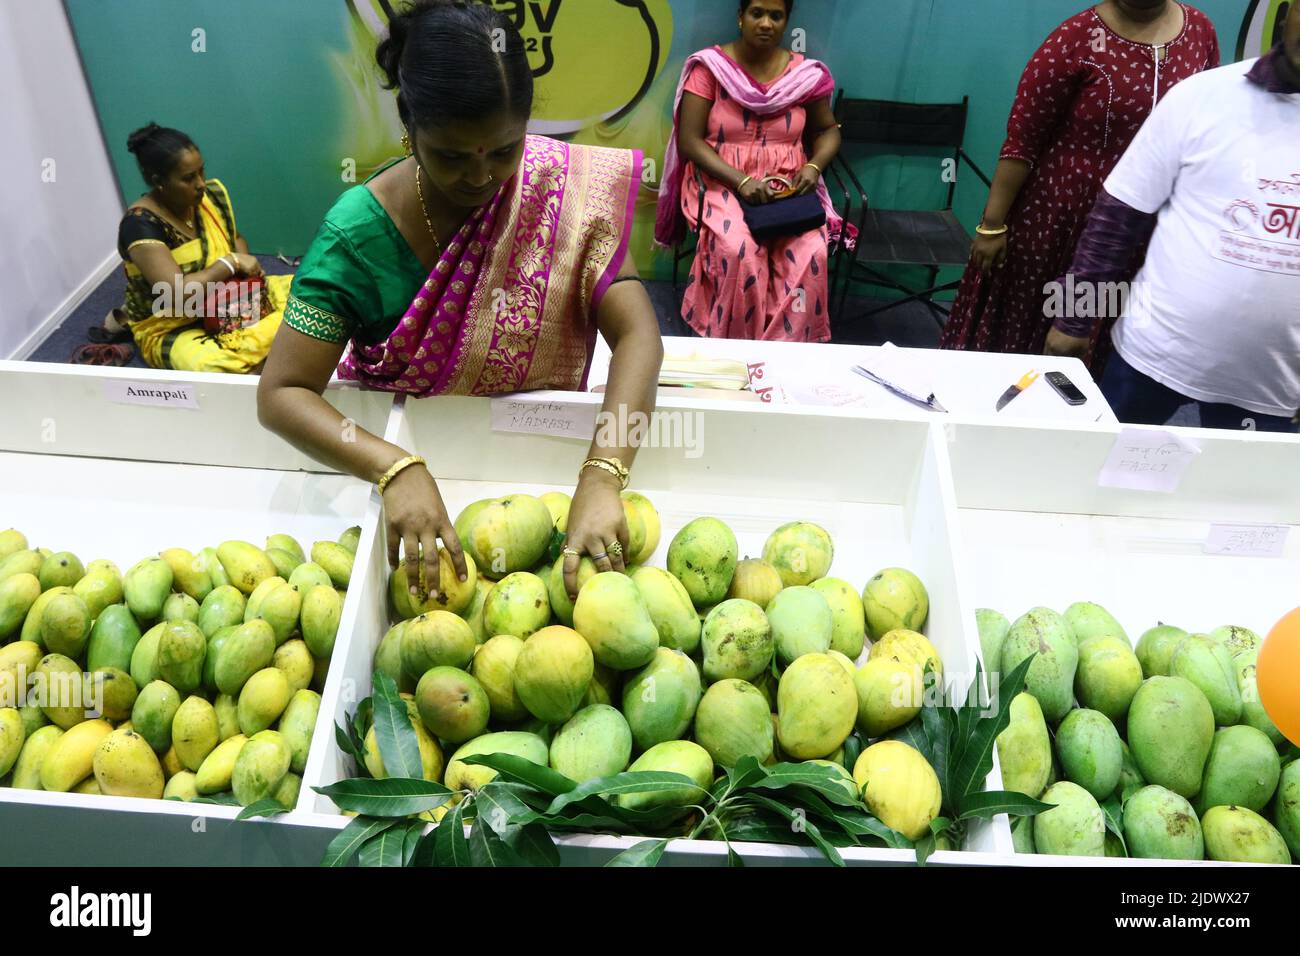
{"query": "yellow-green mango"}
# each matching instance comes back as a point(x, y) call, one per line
point(181, 648)
point(281, 609)
point(1108, 676)
point(552, 672)
point(17, 595)
point(670, 607)
point(218, 767)
point(18, 661)
point(1161, 825)
point(146, 586)
point(112, 639)
point(463, 776)
point(388, 658)
point(1240, 835)
point(1252, 709)
point(111, 692)
point(322, 608)
point(262, 700)
point(1238, 640)
point(212, 564)
point(223, 607)
point(1242, 770)
point(293, 658)
point(1025, 749)
point(702, 555)
point(308, 576)
point(195, 733)
point(733, 721)
point(126, 766)
point(144, 656)
point(1075, 826)
point(335, 559)
point(65, 625)
point(253, 607)
point(473, 614)
point(260, 767)
point(899, 787)
point(183, 786)
point(1130, 774)
point(1286, 806)
point(153, 712)
point(284, 562)
point(672, 756)
point(297, 724)
point(431, 756)
point(507, 534)
point(12, 541)
point(1155, 649)
point(558, 504)
point(286, 794)
point(190, 574)
point(181, 607)
point(243, 653)
point(287, 543)
point(21, 562)
point(889, 694)
point(61, 570)
point(245, 564)
point(27, 771)
point(517, 605)
point(1088, 620)
point(612, 616)
point(59, 688)
point(800, 551)
point(1209, 666)
point(466, 518)
point(215, 643)
point(802, 623)
point(816, 706)
point(556, 592)
point(993, 629)
point(737, 641)
point(595, 742)
point(848, 617)
point(435, 639)
point(452, 595)
point(494, 668)
point(1170, 730)
point(72, 757)
point(31, 629)
point(649, 518)
point(1091, 752)
point(13, 734)
point(227, 709)
point(33, 717)
point(755, 580)
point(1046, 634)
point(894, 598)
point(351, 538)
point(660, 699)
point(99, 589)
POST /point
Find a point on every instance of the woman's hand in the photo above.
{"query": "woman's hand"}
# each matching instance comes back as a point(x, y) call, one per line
point(989, 252)
point(416, 518)
point(246, 264)
point(596, 521)
point(755, 192)
point(805, 181)
point(1068, 346)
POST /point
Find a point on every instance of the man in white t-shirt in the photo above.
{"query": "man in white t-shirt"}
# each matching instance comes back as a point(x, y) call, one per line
point(1213, 180)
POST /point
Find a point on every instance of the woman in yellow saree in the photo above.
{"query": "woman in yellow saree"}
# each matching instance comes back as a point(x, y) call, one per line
point(483, 263)
point(176, 242)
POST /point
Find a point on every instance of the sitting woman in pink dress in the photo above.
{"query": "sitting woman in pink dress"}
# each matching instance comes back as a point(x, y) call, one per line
point(744, 112)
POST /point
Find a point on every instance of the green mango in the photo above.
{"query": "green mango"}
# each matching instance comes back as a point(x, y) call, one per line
point(660, 699)
point(153, 712)
point(190, 573)
point(1286, 807)
point(322, 608)
point(848, 616)
point(284, 562)
point(1161, 825)
point(1240, 835)
point(612, 616)
point(519, 605)
point(27, 771)
point(1091, 752)
point(33, 718)
point(286, 794)
point(17, 595)
point(595, 742)
point(1237, 640)
point(223, 607)
point(65, 625)
point(463, 776)
point(1109, 675)
point(181, 649)
point(1130, 775)
point(297, 724)
point(1155, 649)
point(246, 565)
point(216, 571)
point(673, 756)
point(801, 623)
point(146, 587)
point(227, 710)
point(215, 643)
point(1242, 770)
point(737, 641)
point(733, 721)
point(21, 562)
point(260, 767)
point(288, 544)
point(1170, 730)
point(1025, 749)
point(351, 538)
point(144, 656)
point(57, 683)
point(388, 658)
point(671, 609)
point(249, 649)
point(1075, 826)
point(993, 629)
point(1045, 633)
point(99, 589)
point(1253, 713)
point(253, 607)
point(1089, 620)
point(61, 570)
point(335, 559)
point(11, 542)
point(181, 607)
point(702, 555)
point(281, 609)
point(307, 576)
point(31, 629)
point(1209, 666)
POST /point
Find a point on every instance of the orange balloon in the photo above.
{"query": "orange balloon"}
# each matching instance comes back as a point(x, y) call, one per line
point(1277, 674)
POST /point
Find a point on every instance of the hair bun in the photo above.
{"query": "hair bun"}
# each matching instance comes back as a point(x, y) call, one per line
point(142, 136)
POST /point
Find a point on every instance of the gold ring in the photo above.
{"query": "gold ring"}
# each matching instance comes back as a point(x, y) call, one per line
point(616, 548)
point(573, 551)
point(597, 557)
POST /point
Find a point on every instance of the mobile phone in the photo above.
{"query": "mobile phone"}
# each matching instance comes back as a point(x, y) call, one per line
point(1065, 388)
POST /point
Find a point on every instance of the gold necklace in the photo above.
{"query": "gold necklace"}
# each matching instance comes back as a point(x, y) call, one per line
point(419, 191)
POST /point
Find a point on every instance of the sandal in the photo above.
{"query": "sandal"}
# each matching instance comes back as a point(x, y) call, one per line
point(102, 354)
point(113, 330)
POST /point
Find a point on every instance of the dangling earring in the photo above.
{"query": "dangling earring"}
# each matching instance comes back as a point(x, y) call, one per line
point(406, 143)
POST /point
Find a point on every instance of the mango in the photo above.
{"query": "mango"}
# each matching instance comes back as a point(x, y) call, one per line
point(190, 574)
point(71, 758)
point(111, 692)
point(13, 734)
point(27, 771)
point(1022, 834)
point(660, 699)
point(182, 786)
point(517, 605)
point(1155, 649)
point(558, 504)
point(737, 641)
point(595, 742)
point(61, 570)
point(290, 546)
point(125, 766)
point(18, 661)
point(1209, 666)
point(463, 776)
point(1025, 749)
point(195, 732)
point(670, 607)
point(1130, 775)
point(1091, 752)
point(552, 672)
point(259, 767)
point(431, 756)
point(1242, 770)
point(649, 518)
point(297, 724)
point(1240, 835)
point(146, 586)
point(181, 607)
point(99, 589)
point(21, 562)
point(246, 565)
point(452, 594)
point(17, 595)
point(153, 712)
point(1253, 713)
point(435, 639)
point(286, 794)
point(31, 628)
point(453, 705)
point(1108, 676)
point(1170, 730)
point(1286, 806)
point(848, 616)
point(65, 625)
point(816, 704)
point(899, 786)
point(733, 721)
point(294, 660)
point(466, 518)
point(800, 551)
point(494, 668)
point(58, 687)
point(284, 562)
point(473, 615)
point(894, 599)
point(388, 658)
point(322, 609)
point(171, 763)
point(144, 656)
point(505, 535)
point(1088, 620)
point(33, 718)
point(1237, 640)
point(993, 628)
point(801, 622)
point(11, 541)
point(672, 756)
point(307, 576)
point(262, 700)
point(636, 531)
point(1075, 826)
point(909, 647)
point(1161, 825)
point(223, 607)
point(702, 555)
point(281, 608)
point(889, 694)
point(755, 580)
point(249, 649)
point(181, 649)
point(214, 775)
point(1043, 632)
point(612, 616)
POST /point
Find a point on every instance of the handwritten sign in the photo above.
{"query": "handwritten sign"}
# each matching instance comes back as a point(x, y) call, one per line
point(1247, 540)
point(161, 395)
point(533, 417)
point(1147, 460)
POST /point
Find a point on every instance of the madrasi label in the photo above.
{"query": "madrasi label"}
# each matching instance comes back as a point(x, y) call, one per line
point(158, 394)
point(1247, 540)
point(542, 417)
point(1147, 460)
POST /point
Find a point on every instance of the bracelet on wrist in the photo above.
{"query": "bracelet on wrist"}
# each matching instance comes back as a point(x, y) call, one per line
point(612, 466)
point(397, 468)
point(984, 230)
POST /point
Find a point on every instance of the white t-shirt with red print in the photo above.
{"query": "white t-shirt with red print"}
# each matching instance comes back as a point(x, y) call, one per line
point(1216, 310)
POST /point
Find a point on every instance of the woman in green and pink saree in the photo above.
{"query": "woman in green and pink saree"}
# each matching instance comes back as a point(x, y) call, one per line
point(483, 263)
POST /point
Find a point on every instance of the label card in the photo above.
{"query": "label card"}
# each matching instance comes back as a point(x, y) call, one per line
point(536, 417)
point(1247, 540)
point(1144, 460)
point(161, 395)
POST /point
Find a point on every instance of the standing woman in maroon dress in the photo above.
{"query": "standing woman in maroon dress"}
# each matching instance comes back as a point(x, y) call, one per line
point(1081, 100)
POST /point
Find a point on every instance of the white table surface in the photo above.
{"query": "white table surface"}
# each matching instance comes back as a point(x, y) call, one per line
point(967, 384)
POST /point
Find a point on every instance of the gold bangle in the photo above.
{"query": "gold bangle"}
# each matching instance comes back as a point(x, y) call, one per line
point(611, 465)
point(982, 230)
point(816, 167)
point(397, 468)
point(741, 184)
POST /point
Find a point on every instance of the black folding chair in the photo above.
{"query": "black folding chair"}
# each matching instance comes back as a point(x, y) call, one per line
point(905, 237)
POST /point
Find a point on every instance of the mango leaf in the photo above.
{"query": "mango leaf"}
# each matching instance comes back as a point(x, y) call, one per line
point(501, 807)
point(426, 847)
point(556, 546)
point(852, 750)
point(414, 834)
point(450, 847)
point(349, 747)
point(1113, 811)
point(977, 752)
point(391, 797)
point(645, 853)
point(733, 858)
point(533, 844)
point(745, 824)
point(267, 807)
point(746, 773)
point(640, 781)
point(924, 849)
point(608, 815)
point(350, 839)
point(519, 770)
point(388, 847)
point(799, 823)
point(989, 803)
point(362, 718)
point(938, 725)
point(913, 734)
point(964, 716)
point(486, 849)
point(399, 748)
point(815, 777)
point(223, 799)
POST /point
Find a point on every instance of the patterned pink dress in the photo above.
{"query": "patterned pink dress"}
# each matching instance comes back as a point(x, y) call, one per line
point(740, 288)
point(1081, 100)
